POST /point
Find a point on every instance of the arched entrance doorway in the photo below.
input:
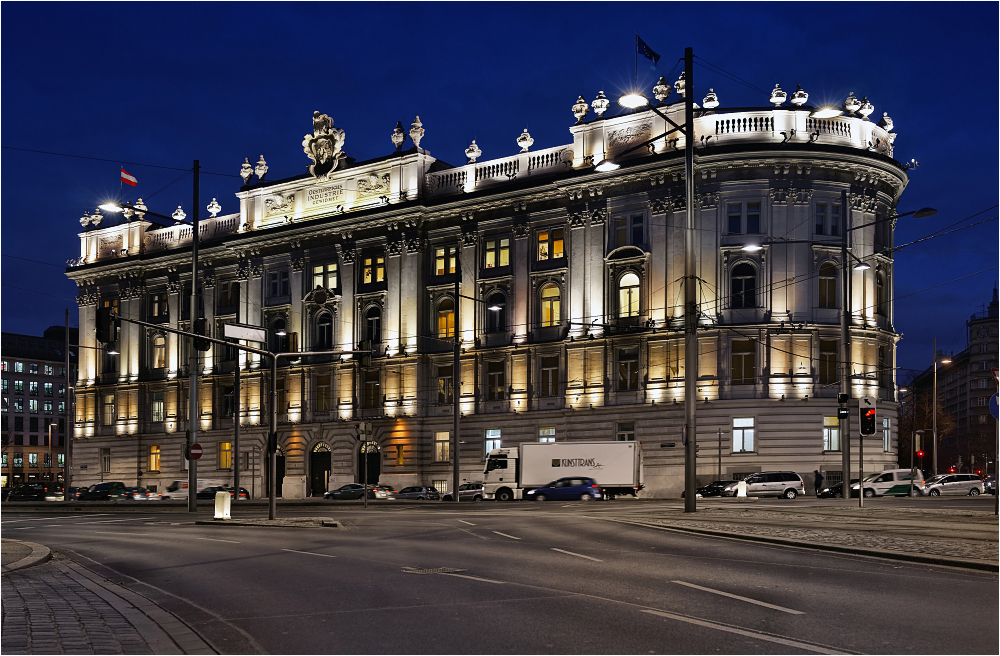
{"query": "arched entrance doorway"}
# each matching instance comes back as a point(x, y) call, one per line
point(319, 469)
point(279, 466)
point(369, 454)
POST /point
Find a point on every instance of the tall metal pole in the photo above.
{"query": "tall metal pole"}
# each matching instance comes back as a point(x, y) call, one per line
point(934, 411)
point(845, 350)
point(690, 294)
point(272, 453)
point(70, 420)
point(236, 432)
point(456, 382)
point(193, 360)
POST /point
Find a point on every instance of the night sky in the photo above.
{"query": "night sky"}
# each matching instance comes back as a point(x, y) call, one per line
point(87, 87)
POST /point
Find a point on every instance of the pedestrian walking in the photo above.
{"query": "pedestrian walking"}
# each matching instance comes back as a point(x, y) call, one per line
point(818, 482)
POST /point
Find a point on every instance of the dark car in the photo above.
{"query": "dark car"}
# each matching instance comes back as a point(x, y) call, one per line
point(835, 490)
point(210, 491)
point(990, 485)
point(75, 492)
point(356, 491)
point(713, 489)
point(466, 492)
point(565, 489)
point(106, 491)
point(423, 492)
point(37, 492)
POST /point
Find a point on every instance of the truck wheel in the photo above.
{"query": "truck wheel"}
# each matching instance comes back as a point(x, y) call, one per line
point(504, 495)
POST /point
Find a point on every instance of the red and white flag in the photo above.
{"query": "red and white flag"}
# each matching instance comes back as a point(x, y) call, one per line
point(129, 179)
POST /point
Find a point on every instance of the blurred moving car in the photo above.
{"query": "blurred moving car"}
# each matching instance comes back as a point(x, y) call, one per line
point(140, 494)
point(107, 491)
point(466, 492)
point(569, 488)
point(37, 492)
point(713, 489)
point(892, 482)
point(990, 485)
point(210, 491)
point(424, 492)
point(953, 484)
point(75, 492)
point(784, 484)
point(835, 490)
point(356, 491)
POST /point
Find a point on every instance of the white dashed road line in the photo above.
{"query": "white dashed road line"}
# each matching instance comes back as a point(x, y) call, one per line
point(570, 553)
point(474, 578)
point(746, 599)
point(311, 553)
point(465, 522)
point(506, 536)
point(218, 540)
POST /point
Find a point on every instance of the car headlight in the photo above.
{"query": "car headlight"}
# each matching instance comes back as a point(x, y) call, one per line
point(730, 487)
point(531, 492)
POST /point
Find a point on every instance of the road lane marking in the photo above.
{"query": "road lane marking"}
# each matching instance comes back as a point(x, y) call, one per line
point(577, 555)
point(112, 521)
point(311, 553)
point(218, 540)
point(117, 533)
point(465, 522)
point(801, 646)
point(506, 536)
point(24, 528)
point(474, 578)
point(746, 599)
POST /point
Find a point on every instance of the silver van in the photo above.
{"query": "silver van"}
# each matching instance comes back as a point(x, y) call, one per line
point(785, 484)
point(892, 482)
point(965, 484)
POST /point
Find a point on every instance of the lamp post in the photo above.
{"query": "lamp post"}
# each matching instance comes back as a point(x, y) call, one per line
point(934, 401)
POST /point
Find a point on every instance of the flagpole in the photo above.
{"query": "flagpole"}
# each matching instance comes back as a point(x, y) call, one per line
point(635, 57)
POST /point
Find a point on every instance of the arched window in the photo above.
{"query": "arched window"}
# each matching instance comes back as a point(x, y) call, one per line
point(550, 299)
point(373, 325)
point(159, 352)
point(628, 295)
point(744, 287)
point(324, 331)
point(880, 294)
point(446, 318)
point(496, 313)
point(279, 335)
point(828, 286)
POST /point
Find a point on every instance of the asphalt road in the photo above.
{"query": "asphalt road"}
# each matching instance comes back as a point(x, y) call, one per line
point(521, 578)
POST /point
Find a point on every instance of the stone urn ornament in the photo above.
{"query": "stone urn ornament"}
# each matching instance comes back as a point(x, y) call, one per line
point(525, 141)
point(473, 152)
point(885, 122)
point(799, 97)
point(778, 96)
point(261, 168)
point(600, 103)
point(398, 136)
point(580, 109)
point(246, 170)
point(214, 208)
point(661, 90)
point(851, 104)
point(866, 108)
point(710, 101)
point(416, 131)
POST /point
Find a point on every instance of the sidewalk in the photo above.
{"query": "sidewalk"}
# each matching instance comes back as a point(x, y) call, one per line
point(52, 605)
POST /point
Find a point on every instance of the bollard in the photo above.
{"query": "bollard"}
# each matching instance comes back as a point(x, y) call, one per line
point(222, 504)
point(741, 489)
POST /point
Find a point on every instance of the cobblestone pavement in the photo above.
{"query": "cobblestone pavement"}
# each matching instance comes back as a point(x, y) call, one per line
point(60, 607)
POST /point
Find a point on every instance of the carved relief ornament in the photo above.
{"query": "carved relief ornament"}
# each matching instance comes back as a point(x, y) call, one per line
point(323, 146)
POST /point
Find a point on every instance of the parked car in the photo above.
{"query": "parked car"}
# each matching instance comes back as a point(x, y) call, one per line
point(356, 491)
point(713, 489)
point(209, 492)
point(892, 482)
point(835, 490)
point(107, 491)
point(952, 484)
point(388, 489)
point(37, 492)
point(784, 484)
point(466, 492)
point(569, 488)
point(423, 492)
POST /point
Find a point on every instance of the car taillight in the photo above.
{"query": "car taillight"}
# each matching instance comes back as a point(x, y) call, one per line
point(594, 485)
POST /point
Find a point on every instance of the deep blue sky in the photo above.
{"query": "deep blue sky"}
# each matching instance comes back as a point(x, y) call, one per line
point(161, 84)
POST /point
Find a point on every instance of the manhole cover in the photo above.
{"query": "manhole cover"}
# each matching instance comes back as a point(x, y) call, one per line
point(434, 570)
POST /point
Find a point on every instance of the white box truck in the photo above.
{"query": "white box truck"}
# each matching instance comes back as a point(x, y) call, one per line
point(510, 472)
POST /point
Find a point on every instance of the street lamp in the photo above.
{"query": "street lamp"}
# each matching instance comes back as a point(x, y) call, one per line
point(934, 405)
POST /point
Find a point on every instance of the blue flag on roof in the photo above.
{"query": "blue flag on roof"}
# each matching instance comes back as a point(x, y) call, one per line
point(645, 51)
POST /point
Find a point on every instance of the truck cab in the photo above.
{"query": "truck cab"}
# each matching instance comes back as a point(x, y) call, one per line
point(501, 475)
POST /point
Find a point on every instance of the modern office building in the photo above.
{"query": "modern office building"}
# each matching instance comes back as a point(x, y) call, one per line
point(35, 405)
point(570, 304)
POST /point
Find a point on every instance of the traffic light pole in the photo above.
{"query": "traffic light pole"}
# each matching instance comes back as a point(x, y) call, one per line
point(193, 413)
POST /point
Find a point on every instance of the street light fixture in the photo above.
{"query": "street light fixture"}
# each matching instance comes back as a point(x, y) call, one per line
point(633, 100)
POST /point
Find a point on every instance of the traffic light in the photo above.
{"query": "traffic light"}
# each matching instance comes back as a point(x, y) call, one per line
point(107, 325)
point(920, 454)
point(201, 328)
point(867, 421)
point(951, 470)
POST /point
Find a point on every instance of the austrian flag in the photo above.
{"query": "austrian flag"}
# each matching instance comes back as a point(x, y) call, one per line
point(129, 179)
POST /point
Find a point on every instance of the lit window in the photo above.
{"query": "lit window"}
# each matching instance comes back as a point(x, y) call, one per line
point(446, 318)
point(33, 460)
point(157, 412)
point(48, 389)
point(225, 455)
point(497, 252)
point(159, 352)
point(886, 435)
point(546, 433)
point(373, 270)
point(325, 276)
point(153, 463)
point(445, 382)
point(442, 446)
point(108, 415)
point(492, 441)
point(550, 244)
point(628, 295)
point(831, 434)
point(743, 435)
point(444, 260)
point(550, 299)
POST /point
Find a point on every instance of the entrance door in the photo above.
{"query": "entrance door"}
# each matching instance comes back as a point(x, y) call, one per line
point(371, 453)
point(319, 469)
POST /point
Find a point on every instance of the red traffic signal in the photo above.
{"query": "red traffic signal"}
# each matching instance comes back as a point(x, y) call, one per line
point(868, 423)
point(920, 454)
point(951, 470)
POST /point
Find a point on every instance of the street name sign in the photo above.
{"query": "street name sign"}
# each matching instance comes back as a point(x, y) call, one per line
point(248, 333)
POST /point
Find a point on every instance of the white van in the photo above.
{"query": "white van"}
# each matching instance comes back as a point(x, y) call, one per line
point(178, 490)
point(892, 482)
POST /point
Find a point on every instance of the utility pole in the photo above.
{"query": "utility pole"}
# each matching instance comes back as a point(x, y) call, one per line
point(845, 349)
point(456, 381)
point(193, 360)
point(70, 419)
point(690, 294)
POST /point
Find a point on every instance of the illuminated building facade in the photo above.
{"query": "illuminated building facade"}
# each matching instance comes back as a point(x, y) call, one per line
point(570, 311)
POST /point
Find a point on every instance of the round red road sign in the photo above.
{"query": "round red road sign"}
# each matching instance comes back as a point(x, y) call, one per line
point(195, 451)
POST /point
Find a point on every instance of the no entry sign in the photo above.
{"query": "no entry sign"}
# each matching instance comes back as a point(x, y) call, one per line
point(194, 452)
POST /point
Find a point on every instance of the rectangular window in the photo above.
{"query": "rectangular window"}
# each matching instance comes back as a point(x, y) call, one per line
point(62, 407)
point(324, 394)
point(3, 366)
point(629, 231)
point(444, 381)
point(743, 434)
point(108, 414)
point(278, 283)
point(33, 424)
point(820, 218)
point(17, 460)
point(744, 362)
point(19, 423)
point(159, 352)
point(550, 376)
point(831, 434)
point(18, 387)
point(47, 389)
point(229, 296)
point(983, 401)
point(373, 389)
point(625, 431)
point(33, 460)
point(157, 411)
point(828, 219)
point(3, 386)
point(60, 460)
point(19, 366)
point(497, 252)
point(442, 446)
point(496, 381)
point(444, 260)
point(33, 388)
point(106, 461)
point(153, 459)
point(225, 455)
point(373, 270)
point(18, 405)
point(440, 484)
point(3, 461)
point(158, 306)
point(550, 244)
point(33, 406)
point(492, 441)
point(325, 276)
point(47, 461)
point(827, 361)
point(228, 401)
point(47, 408)
point(546, 433)
point(628, 369)
point(743, 218)
point(47, 369)
point(33, 368)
